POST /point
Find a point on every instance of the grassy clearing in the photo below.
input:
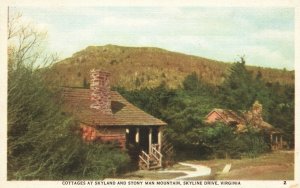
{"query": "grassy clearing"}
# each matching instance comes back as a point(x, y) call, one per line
point(272, 166)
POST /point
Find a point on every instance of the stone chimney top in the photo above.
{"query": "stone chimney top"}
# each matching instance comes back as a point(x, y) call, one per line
point(100, 91)
point(256, 114)
point(257, 108)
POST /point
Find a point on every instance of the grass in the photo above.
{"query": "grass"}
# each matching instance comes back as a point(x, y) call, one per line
point(272, 166)
point(277, 165)
point(149, 175)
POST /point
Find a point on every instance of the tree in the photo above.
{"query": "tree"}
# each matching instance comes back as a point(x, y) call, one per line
point(237, 91)
point(282, 110)
point(26, 45)
point(240, 89)
point(43, 142)
point(191, 82)
point(196, 86)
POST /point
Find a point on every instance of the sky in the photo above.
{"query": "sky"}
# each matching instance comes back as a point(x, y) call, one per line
point(265, 36)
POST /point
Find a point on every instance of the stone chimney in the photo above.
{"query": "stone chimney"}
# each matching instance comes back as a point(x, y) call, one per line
point(100, 91)
point(257, 114)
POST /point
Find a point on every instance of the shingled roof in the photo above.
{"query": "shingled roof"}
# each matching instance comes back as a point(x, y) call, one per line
point(228, 116)
point(77, 101)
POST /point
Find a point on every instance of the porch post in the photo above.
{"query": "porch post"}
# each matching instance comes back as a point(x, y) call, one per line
point(159, 137)
point(150, 139)
point(271, 138)
point(137, 135)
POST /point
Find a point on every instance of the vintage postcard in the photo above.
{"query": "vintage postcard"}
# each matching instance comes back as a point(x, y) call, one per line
point(146, 94)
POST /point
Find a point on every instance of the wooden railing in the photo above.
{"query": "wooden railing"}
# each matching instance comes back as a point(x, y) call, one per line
point(153, 159)
point(145, 158)
point(155, 146)
point(154, 150)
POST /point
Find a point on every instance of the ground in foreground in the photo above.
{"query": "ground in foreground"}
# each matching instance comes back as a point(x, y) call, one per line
point(277, 165)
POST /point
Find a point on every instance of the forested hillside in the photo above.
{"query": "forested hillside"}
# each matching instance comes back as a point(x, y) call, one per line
point(185, 108)
point(139, 67)
point(181, 89)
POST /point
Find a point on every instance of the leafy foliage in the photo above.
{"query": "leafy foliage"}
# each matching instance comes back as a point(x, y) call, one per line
point(184, 109)
point(282, 110)
point(224, 142)
point(241, 89)
point(43, 142)
point(237, 91)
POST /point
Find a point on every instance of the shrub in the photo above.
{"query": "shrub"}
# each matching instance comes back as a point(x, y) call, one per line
point(221, 141)
point(252, 143)
point(43, 143)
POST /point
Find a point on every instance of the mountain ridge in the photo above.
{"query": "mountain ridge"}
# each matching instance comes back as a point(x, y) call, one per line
point(139, 67)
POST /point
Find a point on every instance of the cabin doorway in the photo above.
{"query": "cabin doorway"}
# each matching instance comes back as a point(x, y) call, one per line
point(154, 135)
point(144, 139)
point(130, 136)
point(140, 138)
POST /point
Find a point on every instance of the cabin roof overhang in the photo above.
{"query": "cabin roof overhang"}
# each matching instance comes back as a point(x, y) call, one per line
point(77, 102)
point(227, 116)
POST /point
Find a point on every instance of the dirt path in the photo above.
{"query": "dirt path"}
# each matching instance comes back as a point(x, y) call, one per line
point(200, 170)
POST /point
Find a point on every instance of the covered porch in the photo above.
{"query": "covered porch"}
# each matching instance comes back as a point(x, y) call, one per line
point(144, 143)
point(144, 137)
point(276, 141)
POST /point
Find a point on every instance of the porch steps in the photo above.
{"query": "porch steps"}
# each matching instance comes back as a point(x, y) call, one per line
point(151, 160)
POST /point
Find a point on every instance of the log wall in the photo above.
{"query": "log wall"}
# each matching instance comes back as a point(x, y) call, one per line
point(104, 135)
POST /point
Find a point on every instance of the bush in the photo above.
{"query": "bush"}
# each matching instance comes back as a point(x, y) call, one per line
point(43, 143)
point(223, 142)
point(217, 141)
point(252, 143)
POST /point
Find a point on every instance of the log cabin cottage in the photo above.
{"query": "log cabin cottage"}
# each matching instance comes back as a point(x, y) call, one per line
point(107, 117)
point(252, 117)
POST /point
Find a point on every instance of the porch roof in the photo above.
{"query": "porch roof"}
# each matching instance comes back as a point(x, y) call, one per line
point(77, 101)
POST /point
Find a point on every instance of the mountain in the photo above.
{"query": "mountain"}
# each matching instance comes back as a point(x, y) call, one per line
point(137, 67)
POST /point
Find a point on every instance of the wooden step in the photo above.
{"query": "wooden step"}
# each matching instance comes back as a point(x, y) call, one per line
point(154, 167)
point(150, 161)
point(153, 163)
